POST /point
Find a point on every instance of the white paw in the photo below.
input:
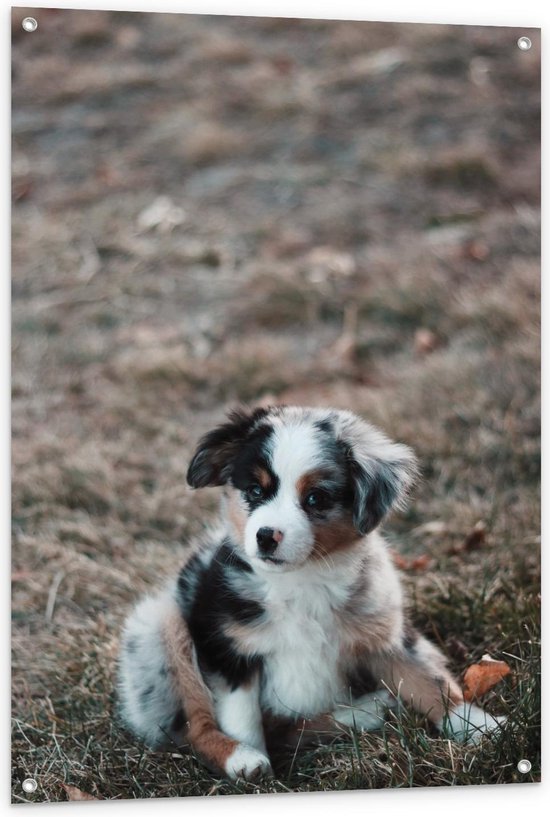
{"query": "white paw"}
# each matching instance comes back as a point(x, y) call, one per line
point(246, 762)
point(367, 712)
point(468, 723)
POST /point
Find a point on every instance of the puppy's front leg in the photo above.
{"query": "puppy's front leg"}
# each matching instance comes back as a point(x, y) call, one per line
point(239, 715)
point(219, 750)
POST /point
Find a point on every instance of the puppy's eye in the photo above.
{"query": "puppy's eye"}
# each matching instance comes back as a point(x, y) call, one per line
point(255, 491)
point(316, 499)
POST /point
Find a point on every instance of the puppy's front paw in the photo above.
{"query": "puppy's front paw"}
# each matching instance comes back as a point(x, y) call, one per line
point(247, 763)
point(468, 723)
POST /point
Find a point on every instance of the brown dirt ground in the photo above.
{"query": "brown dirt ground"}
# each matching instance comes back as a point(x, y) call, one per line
point(210, 210)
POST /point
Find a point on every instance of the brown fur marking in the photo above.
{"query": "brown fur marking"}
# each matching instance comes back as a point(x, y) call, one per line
point(430, 695)
point(262, 476)
point(333, 536)
point(206, 739)
point(283, 733)
point(308, 481)
point(420, 679)
point(366, 633)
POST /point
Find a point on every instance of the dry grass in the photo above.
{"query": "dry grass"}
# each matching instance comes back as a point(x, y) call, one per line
point(210, 210)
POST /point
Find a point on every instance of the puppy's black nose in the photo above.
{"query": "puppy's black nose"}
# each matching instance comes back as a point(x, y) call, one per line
point(267, 540)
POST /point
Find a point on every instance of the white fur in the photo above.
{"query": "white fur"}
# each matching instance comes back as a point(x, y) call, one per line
point(142, 663)
point(301, 641)
point(248, 763)
point(238, 713)
point(467, 723)
point(367, 712)
point(294, 452)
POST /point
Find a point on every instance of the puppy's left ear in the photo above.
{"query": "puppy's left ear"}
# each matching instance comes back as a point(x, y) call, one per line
point(382, 472)
point(212, 462)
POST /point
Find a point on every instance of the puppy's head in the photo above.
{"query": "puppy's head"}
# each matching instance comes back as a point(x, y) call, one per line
point(301, 483)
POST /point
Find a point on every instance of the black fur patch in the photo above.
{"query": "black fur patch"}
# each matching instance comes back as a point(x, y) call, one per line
point(324, 425)
point(361, 681)
point(251, 456)
point(213, 460)
point(214, 605)
point(188, 578)
point(179, 721)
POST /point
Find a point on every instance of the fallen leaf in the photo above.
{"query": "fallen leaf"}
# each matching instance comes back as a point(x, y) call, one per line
point(476, 537)
point(476, 250)
point(161, 214)
point(425, 341)
point(20, 576)
point(434, 528)
point(480, 678)
point(473, 541)
point(399, 561)
point(77, 794)
point(421, 562)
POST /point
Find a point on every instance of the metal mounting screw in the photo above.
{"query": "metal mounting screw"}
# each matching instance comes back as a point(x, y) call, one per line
point(29, 24)
point(29, 785)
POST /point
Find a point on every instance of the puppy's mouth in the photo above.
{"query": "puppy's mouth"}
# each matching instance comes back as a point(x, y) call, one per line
point(272, 560)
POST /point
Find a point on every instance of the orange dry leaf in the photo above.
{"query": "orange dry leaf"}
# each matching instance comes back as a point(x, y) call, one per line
point(475, 540)
point(425, 341)
point(476, 537)
point(77, 794)
point(399, 561)
point(422, 562)
point(20, 575)
point(480, 678)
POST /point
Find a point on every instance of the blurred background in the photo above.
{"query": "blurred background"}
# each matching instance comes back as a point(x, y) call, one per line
point(210, 210)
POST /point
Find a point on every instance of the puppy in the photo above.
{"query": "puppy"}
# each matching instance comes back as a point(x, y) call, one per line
point(293, 609)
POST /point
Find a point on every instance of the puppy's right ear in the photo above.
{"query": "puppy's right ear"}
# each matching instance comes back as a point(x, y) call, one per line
point(381, 471)
point(212, 462)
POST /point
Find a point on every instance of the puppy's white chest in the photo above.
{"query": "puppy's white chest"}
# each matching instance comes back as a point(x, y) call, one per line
point(302, 673)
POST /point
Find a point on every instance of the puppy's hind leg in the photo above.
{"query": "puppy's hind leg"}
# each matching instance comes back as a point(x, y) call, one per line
point(418, 675)
point(367, 712)
point(148, 701)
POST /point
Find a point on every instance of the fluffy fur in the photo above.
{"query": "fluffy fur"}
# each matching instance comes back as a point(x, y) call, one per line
point(292, 612)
